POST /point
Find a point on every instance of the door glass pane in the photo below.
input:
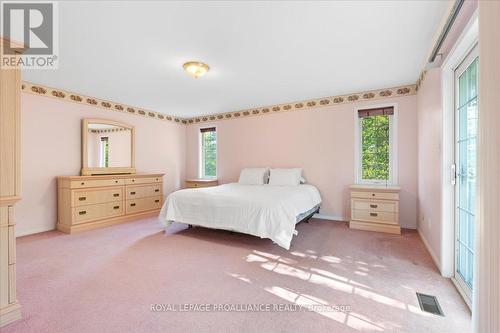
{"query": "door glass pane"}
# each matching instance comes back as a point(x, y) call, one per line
point(466, 163)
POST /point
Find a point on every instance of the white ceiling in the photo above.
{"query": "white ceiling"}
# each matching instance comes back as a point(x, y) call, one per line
point(260, 53)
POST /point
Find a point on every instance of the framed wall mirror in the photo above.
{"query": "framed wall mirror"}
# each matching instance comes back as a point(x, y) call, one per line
point(108, 147)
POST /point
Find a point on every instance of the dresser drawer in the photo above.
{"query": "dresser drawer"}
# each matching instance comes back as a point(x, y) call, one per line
point(143, 180)
point(375, 195)
point(135, 192)
point(96, 212)
point(375, 206)
point(374, 216)
point(143, 204)
point(92, 197)
point(96, 183)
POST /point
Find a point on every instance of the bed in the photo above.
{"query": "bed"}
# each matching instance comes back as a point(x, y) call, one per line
point(264, 211)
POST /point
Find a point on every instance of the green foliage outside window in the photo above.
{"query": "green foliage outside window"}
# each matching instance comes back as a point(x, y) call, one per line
point(375, 147)
point(105, 151)
point(209, 154)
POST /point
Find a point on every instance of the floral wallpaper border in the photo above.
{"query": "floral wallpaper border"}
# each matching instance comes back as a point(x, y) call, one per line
point(310, 104)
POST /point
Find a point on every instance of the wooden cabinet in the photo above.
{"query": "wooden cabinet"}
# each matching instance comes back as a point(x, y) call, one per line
point(194, 183)
point(90, 202)
point(375, 208)
point(10, 186)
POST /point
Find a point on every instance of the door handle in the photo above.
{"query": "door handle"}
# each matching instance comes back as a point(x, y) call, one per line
point(116, 194)
point(82, 198)
point(453, 173)
point(132, 204)
point(116, 207)
point(132, 193)
point(83, 212)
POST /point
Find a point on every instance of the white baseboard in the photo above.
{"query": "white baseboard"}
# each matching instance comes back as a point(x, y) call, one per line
point(430, 250)
point(34, 231)
point(331, 217)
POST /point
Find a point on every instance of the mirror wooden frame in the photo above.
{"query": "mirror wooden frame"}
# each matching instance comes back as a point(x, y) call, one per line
point(86, 170)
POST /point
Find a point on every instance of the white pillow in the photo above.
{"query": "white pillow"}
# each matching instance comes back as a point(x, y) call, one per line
point(285, 177)
point(254, 176)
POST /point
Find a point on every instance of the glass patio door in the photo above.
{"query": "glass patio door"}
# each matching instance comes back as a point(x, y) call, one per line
point(466, 83)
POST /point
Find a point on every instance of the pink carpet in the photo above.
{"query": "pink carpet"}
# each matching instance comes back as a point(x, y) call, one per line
point(106, 280)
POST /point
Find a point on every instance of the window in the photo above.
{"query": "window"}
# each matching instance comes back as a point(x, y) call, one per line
point(376, 153)
point(104, 152)
point(208, 137)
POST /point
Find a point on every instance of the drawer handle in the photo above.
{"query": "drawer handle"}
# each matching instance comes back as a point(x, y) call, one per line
point(82, 183)
point(157, 190)
point(133, 180)
point(373, 214)
point(156, 179)
point(116, 181)
point(83, 212)
point(116, 207)
point(132, 205)
point(116, 194)
point(82, 198)
point(373, 206)
point(195, 185)
point(132, 193)
point(157, 200)
point(373, 194)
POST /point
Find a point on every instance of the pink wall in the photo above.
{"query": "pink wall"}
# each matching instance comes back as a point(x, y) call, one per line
point(321, 141)
point(430, 124)
point(50, 147)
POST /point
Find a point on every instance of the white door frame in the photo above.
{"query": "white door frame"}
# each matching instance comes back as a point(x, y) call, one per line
point(465, 43)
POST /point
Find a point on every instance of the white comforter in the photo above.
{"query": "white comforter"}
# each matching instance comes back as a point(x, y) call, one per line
point(265, 211)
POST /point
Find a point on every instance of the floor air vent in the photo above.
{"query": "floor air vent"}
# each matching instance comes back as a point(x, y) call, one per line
point(429, 304)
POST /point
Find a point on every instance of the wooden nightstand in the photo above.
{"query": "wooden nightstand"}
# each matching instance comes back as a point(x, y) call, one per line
point(375, 208)
point(194, 183)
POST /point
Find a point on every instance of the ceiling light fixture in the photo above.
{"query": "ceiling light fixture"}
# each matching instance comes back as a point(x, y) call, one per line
point(196, 68)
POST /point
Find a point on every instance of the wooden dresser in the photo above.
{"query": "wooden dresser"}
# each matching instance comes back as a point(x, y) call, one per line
point(10, 187)
point(375, 208)
point(90, 202)
point(194, 183)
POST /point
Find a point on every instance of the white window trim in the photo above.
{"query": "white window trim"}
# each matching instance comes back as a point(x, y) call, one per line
point(201, 171)
point(393, 142)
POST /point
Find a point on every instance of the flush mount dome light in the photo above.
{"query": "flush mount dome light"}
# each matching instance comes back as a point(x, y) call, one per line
point(196, 68)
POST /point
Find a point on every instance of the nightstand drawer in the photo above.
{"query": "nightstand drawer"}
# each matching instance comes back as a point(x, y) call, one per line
point(375, 205)
point(201, 183)
point(375, 195)
point(374, 216)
